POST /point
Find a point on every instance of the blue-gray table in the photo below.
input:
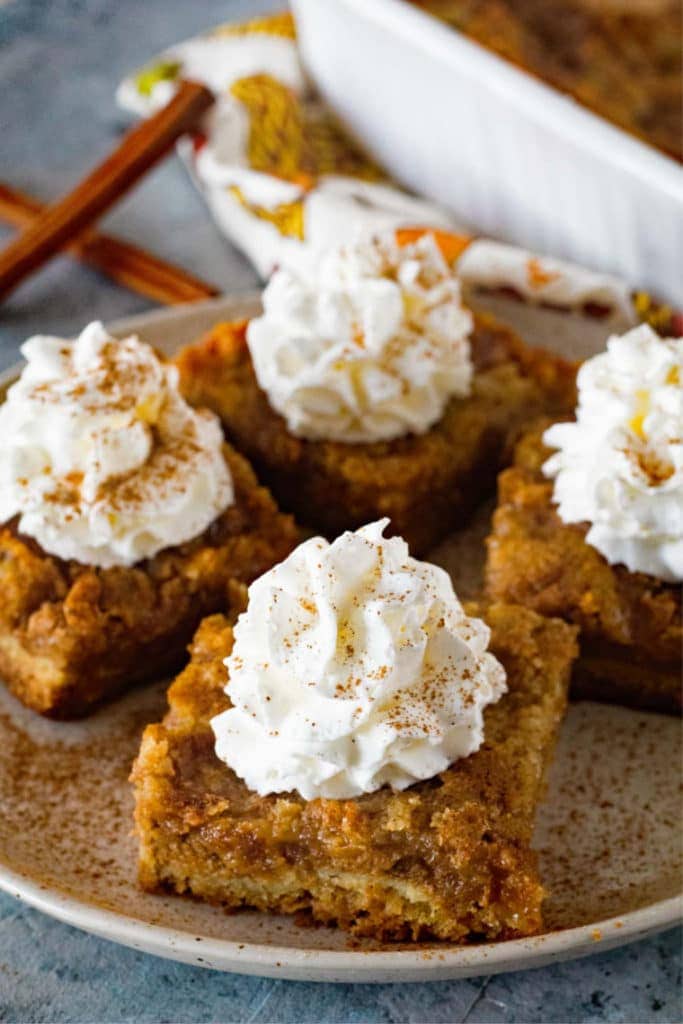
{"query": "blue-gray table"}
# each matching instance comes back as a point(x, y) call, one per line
point(60, 61)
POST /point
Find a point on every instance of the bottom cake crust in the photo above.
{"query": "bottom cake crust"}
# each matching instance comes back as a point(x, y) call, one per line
point(616, 675)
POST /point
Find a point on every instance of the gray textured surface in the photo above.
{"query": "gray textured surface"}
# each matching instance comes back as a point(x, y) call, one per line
point(49, 972)
point(59, 63)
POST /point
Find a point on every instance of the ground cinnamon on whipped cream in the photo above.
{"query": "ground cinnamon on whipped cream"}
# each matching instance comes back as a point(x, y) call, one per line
point(102, 460)
point(368, 344)
point(619, 467)
point(354, 667)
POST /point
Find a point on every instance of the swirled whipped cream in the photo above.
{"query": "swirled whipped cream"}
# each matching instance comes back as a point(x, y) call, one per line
point(102, 459)
point(354, 667)
point(367, 346)
point(619, 467)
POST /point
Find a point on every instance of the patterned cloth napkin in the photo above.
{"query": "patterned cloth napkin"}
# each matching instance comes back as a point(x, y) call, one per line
point(283, 179)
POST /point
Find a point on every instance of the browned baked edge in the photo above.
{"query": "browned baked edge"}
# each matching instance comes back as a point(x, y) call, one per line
point(593, 52)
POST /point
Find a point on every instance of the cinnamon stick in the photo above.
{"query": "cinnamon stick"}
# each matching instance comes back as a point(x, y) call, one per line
point(123, 262)
point(140, 149)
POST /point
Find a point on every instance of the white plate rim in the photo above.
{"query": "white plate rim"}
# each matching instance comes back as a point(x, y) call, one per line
point(423, 963)
point(419, 964)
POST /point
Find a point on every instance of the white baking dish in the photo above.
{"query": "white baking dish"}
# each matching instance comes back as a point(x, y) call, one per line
point(510, 156)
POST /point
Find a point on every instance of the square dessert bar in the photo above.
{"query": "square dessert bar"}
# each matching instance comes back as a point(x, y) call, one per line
point(71, 635)
point(426, 484)
point(448, 858)
point(631, 626)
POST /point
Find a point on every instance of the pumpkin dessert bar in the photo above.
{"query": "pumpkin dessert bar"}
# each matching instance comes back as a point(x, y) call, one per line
point(449, 857)
point(73, 634)
point(631, 623)
point(427, 484)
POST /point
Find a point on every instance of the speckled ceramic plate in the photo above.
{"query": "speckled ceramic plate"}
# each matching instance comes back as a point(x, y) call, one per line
point(608, 832)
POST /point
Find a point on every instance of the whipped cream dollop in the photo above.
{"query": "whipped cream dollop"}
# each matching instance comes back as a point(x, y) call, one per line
point(102, 459)
point(619, 467)
point(369, 345)
point(354, 667)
